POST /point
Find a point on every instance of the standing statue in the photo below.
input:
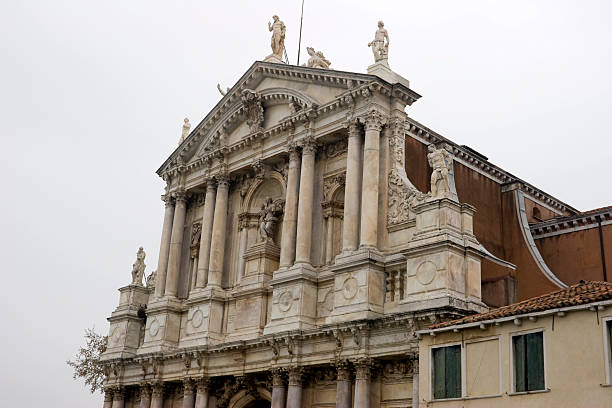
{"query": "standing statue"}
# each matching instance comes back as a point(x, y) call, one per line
point(139, 267)
point(317, 59)
point(380, 48)
point(278, 36)
point(185, 132)
point(441, 162)
point(267, 220)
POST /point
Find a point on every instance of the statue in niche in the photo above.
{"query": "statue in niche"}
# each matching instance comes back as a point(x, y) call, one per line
point(380, 47)
point(196, 233)
point(251, 101)
point(278, 36)
point(268, 218)
point(185, 132)
point(441, 162)
point(139, 267)
point(317, 59)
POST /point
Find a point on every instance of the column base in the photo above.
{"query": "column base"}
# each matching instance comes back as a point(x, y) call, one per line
point(358, 285)
point(294, 299)
point(163, 325)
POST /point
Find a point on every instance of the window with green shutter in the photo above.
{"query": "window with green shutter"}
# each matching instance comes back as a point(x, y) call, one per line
point(528, 352)
point(447, 372)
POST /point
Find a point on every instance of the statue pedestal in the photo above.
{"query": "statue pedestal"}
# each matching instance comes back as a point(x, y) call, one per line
point(382, 70)
point(261, 259)
point(125, 324)
point(443, 259)
point(274, 59)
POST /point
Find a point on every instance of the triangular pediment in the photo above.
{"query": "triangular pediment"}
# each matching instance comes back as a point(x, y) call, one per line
point(287, 93)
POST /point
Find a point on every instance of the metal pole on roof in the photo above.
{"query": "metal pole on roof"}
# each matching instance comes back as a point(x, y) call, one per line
point(300, 40)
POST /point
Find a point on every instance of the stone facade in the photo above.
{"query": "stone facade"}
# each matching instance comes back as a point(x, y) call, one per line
point(310, 229)
point(296, 257)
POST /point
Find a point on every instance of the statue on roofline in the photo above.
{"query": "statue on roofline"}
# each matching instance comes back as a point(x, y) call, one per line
point(278, 36)
point(380, 47)
point(317, 59)
point(441, 162)
point(138, 267)
point(185, 131)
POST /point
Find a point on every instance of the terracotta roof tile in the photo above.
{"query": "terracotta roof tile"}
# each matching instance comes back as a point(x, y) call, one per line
point(579, 294)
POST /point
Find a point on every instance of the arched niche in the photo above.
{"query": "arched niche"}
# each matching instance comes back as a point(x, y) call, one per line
point(271, 185)
point(333, 214)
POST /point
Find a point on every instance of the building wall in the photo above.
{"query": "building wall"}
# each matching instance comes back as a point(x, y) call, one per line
point(577, 255)
point(574, 363)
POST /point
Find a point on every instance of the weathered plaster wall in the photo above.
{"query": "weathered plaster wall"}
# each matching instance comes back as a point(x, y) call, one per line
point(574, 364)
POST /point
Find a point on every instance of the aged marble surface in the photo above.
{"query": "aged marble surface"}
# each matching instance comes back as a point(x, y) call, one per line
point(296, 257)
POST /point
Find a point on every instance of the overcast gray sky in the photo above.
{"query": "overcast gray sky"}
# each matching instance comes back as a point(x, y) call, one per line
point(93, 93)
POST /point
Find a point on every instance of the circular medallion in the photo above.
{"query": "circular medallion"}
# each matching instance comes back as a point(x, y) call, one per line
point(349, 289)
point(197, 318)
point(285, 300)
point(154, 328)
point(426, 272)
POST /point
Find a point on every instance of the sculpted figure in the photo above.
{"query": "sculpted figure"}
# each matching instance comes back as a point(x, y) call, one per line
point(440, 161)
point(278, 36)
point(185, 132)
point(151, 279)
point(221, 91)
point(267, 220)
point(139, 267)
point(317, 59)
point(380, 47)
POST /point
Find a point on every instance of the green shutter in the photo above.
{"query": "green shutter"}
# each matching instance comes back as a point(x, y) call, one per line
point(447, 372)
point(439, 372)
point(535, 361)
point(519, 363)
point(453, 372)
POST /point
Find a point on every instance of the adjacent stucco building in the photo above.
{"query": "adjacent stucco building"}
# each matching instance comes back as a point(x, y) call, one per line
point(550, 351)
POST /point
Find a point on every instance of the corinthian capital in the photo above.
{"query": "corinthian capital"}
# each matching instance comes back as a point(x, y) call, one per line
point(279, 378)
point(374, 120)
point(295, 375)
point(222, 179)
point(309, 145)
point(294, 153)
point(352, 125)
point(363, 369)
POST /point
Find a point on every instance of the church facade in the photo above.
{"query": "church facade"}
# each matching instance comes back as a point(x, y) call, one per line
point(311, 227)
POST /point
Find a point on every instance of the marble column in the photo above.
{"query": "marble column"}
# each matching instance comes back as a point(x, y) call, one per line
point(305, 203)
point(243, 222)
point(202, 393)
point(205, 238)
point(188, 393)
point(329, 240)
point(119, 397)
point(108, 398)
point(217, 246)
point(362, 384)
point(176, 244)
point(164, 247)
point(352, 189)
point(145, 396)
point(370, 181)
point(279, 389)
point(343, 385)
point(157, 396)
point(294, 391)
point(287, 255)
point(415, 383)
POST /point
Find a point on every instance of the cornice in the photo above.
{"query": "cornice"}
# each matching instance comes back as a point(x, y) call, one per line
point(353, 82)
point(476, 162)
point(566, 225)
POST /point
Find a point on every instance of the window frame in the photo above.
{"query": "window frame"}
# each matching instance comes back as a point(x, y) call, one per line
point(607, 348)
point(512, 373)
point(461, 370)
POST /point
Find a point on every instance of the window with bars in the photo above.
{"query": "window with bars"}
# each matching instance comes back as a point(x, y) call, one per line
point(528, 350)
point(447, 372)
